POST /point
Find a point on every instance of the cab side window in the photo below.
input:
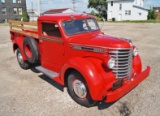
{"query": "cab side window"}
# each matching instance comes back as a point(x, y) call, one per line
point(51, 29)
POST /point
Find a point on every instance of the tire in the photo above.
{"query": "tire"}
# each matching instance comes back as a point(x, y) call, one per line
point(22, 63)
point(84, 97)
point(31, 50)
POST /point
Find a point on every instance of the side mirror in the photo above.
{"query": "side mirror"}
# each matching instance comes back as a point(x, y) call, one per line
point(103, 22)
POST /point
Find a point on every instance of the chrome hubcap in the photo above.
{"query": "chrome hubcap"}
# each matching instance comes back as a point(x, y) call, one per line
point(79, 89)
point(20, 59)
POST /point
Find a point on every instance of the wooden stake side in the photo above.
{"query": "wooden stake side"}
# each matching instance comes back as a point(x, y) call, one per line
point(21, 22)
point(25, 33)
point(23, 28)
point(20, 27)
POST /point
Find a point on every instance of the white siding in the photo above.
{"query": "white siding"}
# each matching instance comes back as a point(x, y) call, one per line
point(139, 3)
point(115, 12)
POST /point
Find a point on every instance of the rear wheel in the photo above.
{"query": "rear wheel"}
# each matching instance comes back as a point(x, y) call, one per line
point(22, 63)
point(78, 90)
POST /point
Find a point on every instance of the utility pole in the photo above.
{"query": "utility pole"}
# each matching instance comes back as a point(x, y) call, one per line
point(39, 7)
point(74, 2)
point(32, 11)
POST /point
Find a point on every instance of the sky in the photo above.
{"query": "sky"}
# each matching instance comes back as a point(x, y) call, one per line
point(81, 5)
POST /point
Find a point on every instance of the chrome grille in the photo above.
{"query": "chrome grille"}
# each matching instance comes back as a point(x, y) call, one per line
point(123, 66)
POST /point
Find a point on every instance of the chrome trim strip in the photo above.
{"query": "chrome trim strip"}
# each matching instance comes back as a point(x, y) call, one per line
point(50, 39)
point(89, 48)
point(92, 46)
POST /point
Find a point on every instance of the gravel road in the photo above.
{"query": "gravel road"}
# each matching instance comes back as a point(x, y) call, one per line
point(30, 93)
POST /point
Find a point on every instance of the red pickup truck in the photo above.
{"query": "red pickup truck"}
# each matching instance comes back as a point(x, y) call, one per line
point(73, 51)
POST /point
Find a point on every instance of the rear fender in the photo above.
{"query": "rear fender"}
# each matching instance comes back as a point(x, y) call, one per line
point(90, 73)
point(19, 43)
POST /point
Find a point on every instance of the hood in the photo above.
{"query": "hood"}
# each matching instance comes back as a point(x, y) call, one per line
point(101, 40)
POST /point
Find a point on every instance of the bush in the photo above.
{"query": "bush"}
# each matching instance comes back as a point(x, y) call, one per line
point(98, 18)
point(151, 14)
point(24, 16)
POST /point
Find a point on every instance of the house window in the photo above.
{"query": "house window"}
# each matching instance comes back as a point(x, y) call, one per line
point(20, 11)
point(19, 1)
point(51, 30)
point(2, 1)
point(15, 11)
point(120, 6)
point(111, 3)
point(127, 12)
point(14, 1)
point(4, 11)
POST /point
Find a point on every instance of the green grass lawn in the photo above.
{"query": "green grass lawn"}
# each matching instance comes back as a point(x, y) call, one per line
point(4, 24)
point(137, 21)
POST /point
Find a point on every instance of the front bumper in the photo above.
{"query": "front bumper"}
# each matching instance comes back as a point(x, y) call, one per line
point(112, 96)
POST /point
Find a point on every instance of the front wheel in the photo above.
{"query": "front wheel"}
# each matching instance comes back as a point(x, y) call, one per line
point(78, 90)
point(22, 63)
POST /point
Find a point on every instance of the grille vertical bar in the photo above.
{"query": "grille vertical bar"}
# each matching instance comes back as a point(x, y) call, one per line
point(123, 66)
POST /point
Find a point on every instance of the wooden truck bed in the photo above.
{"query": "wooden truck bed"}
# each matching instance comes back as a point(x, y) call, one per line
point(24, 28)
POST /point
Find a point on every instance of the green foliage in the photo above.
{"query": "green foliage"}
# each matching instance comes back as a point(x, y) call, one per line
point(98, 18)
point(151, 14)
point(24, 16)
point(4, 24)
point(100, 6)
point(93, 13)
point(137, 21)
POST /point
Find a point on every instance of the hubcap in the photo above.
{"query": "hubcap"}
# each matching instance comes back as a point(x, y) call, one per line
point(79, 89)
point(20, 59)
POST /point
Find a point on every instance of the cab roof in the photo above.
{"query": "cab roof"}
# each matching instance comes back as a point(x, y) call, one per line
point(63, 16)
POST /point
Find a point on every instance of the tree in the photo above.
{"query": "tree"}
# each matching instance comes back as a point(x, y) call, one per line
point(100, 6)
point(92, 12)
point(24, 16)
point(151, 14)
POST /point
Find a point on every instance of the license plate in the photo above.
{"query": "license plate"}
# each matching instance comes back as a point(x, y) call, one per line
point(117, 84)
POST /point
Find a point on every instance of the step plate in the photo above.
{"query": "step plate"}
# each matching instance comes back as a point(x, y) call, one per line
point(47, 72)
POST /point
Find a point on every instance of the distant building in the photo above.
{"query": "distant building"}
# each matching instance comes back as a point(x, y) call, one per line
point(120, 10)
point(54, 11)
point(157, 11)
point(33, 14)
point(11, 9)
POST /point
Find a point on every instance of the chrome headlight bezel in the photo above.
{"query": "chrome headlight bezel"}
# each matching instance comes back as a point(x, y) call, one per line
point(135, 51)
point(111, 63)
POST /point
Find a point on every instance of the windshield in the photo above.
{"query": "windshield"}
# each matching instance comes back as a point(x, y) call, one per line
point(80, 26)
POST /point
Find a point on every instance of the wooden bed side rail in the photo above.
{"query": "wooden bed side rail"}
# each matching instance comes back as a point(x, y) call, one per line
point(24, 23)
point(20, 27)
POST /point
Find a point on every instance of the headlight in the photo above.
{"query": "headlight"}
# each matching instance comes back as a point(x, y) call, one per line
point(111, 63)
point(135, 51)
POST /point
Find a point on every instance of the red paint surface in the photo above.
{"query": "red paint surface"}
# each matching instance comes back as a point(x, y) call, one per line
point(127, 86)
point(60, 57)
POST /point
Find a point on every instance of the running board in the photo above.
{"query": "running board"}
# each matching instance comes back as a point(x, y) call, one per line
point(47, 72)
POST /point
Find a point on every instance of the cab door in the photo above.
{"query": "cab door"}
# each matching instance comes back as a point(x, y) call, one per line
point(52, 46)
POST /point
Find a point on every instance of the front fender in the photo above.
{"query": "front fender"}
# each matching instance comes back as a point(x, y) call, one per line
point(137, 65)
point(93, 78)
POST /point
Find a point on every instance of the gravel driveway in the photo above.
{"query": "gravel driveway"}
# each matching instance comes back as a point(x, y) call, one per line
point(30, 93)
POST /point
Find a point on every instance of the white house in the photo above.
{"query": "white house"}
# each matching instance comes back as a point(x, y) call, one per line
point(33, 14)
point(126, 10)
